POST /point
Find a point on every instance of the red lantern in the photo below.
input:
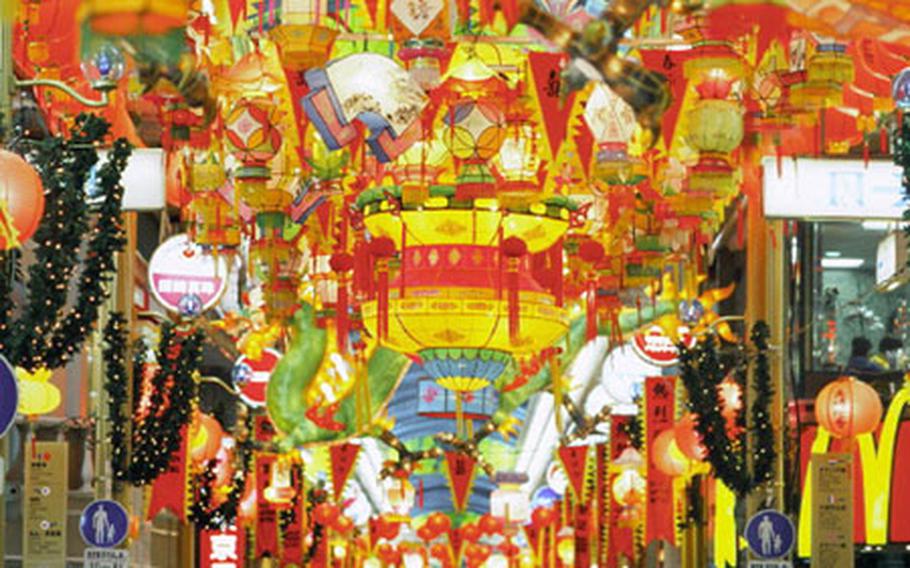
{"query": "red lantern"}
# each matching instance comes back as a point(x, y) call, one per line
point(425, 533)
point(542, 517)
point(326, 513)
point(388, 553)
point(206, 434)
point(439, 523)
point(490, 525)
point(689, 439)
point(471, 533)
point(477, 553)
point(440, 552)
point(666, 455)
point(21, 200)
point(342, 524)
point(848, 407)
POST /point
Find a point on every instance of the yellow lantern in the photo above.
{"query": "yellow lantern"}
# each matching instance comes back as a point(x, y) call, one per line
point(302, 41)
point(715, 129)
point(37, 395)
point(517, 163)
point(827, 71)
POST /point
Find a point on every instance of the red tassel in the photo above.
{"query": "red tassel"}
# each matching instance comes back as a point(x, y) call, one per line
point(556, 257)
point(883, 140)
point(342, 325)
point(866, 154)
point(512, 285)
point(382, 299)
point(591, 317)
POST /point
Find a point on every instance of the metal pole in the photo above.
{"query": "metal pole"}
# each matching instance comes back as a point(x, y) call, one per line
point(7, 74)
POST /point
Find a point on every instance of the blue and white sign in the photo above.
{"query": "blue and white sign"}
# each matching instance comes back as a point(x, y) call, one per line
point(9, 396)
point(104, 524)
point(770, 534)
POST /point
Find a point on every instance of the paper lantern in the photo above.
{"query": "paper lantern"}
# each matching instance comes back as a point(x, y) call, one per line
point(689, 439)
point(21, 200)
point(715, 124)
point(205, 434)
point(476, 129)
point(827, 71)
point(439, 523)
point(470, 532)
point(666, 455)
point(133, 17)
point(399, 496)
point(251, 131)
point(303, 45)
point(848, 407)
point(517, 163)
point(628, 487)
point(37, 395)
point(612, 123)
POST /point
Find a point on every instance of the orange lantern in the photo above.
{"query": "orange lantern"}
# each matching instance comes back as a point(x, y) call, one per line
point(689, 439)
point(666, 455)
point(847, 407)
point(629, 488)
point(21, 200)
point(131, 17)
point(205, 438)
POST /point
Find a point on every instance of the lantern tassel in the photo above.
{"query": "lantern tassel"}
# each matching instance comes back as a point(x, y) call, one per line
point(512, 284)
point(382, 299)
point(591, 317)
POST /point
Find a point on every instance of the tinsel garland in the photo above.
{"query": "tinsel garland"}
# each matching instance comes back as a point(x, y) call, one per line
point(201, 512)
point(115, 338)
point(46, 335)
point(157, 436)
point(902, 160)
point(702, 372)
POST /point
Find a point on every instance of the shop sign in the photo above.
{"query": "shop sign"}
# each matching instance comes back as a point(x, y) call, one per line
point(104, 524)
point(832, 189)
point(251, 376)
point(832, 510)
point(106, 558)
point(184, 278)
point(44, 534)
point(770, 564)
point(655, 348)
point(221, 548)
point(9, 396)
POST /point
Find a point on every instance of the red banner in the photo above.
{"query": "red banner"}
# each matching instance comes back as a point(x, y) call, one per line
point(460, 470)
point(583, 531)
point(619, 536)
point(266, 513)
point(343, 457)
point(546, 70)
point(575, 463)
point(659, 405)
point(169, 490)
point(292, 535)
point(222, 549)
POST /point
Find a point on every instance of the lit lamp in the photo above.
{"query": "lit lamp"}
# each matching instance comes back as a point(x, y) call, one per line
point(281, 489)
point(102, 70)
point(517, 164)
point(21, 200)
point(509, 501)
point(848, 407)
point(612, 123)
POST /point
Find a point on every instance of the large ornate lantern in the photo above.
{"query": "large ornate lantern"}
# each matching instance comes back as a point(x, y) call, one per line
point(848, 407)
point(612, 123)
point(252, 134)
point(302, 41)
point(715, 129)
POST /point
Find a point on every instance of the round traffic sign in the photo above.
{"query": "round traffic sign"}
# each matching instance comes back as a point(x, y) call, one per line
point(251, 376)
point(770, 534)
point(9, 396)
point(184, 278)
point(104, 523)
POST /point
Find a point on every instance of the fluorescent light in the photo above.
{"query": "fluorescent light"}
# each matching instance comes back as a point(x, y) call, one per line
point(842, 262)
point(833, 253)
point(876, 225)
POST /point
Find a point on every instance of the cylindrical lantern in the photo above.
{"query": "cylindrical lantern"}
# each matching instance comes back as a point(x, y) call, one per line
point(848, 407)
point(21, 200)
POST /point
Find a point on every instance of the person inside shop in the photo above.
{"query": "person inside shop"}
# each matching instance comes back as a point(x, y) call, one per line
point(889, 349)
point(859, 361)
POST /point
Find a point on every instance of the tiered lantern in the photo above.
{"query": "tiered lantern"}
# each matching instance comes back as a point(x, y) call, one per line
point(251, 132)
point(612, 123)
point(715, 129)
point(302, 41)
point(827, 71)
point(215, 221)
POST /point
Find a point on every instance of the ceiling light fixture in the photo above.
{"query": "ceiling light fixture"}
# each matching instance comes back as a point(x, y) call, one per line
point(842, 262)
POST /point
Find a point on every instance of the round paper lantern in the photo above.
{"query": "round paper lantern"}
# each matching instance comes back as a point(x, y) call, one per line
point(490, 524)
point(251, 131)
point(206, 434)
point(689, 439)
point(666, 455)
point(325, 513)
point(439, 523)
point(21, 200)
point(425, 533)
point(471, 532)
point(343, 524)
point(848, 407)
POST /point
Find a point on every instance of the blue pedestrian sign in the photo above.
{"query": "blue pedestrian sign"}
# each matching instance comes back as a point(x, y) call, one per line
point(9, 396)
point(104, 524)
point(770, 534)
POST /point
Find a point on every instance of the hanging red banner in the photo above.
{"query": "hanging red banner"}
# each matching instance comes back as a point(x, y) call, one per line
point(266, 513)
point(583, 530)
point(222, 549)
point(575, 463)
point(292, 533)
point(546, 71)
point(659, 406)
point(343, 457)
point(619, 534)
point(169, 490)
point(460, 469)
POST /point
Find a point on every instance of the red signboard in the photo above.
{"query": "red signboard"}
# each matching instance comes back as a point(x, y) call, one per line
point(251, 376)
point(222, 549)
point(654, 347)
point(659, 401)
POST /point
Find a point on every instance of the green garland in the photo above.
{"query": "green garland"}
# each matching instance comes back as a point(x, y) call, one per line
point(201, 512)
point(115, 338)
point(157, 436)
point(46, 334)
point(702, 372)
